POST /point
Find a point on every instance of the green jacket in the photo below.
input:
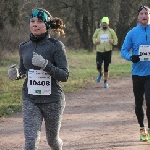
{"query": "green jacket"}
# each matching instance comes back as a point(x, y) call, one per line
point(103, 36)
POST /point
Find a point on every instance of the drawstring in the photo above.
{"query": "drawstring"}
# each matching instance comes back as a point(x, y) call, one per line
point(146, 34)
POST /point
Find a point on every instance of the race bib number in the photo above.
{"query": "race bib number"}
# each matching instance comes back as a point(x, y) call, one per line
point(144, 51)
point(104, 38)
point(39, 82)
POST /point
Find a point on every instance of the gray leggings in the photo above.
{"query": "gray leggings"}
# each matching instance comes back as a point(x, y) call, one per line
point(33, 115)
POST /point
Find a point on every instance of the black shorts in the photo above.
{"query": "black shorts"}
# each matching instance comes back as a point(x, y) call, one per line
point(103, 57)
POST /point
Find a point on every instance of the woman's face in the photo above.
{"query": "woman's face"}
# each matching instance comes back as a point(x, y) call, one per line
point(37, 26)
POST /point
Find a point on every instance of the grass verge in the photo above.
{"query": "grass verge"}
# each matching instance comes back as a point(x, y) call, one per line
point(82, 68)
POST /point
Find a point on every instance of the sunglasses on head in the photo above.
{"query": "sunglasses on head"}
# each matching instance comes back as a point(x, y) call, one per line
point(141, 7)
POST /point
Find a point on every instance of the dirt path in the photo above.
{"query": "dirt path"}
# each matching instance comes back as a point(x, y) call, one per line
point(94, 119)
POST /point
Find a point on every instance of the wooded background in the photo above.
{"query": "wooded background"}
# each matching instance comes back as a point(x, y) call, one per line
point(81, 17)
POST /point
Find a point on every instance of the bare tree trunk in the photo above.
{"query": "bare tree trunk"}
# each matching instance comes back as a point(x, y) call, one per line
point(127, 18)
point(85, 23)
point(91, 23)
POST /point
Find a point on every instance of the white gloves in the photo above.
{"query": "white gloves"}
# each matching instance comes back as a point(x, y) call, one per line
point(13, 72)
point(39, 61)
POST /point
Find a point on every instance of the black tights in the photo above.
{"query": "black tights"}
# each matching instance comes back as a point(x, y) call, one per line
point(141, 86)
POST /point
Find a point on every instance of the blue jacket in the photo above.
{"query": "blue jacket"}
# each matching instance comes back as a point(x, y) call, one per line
point(139, 35)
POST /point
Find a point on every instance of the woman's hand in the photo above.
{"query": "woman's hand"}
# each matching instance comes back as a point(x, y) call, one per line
point(13, 72)
point(39, 61)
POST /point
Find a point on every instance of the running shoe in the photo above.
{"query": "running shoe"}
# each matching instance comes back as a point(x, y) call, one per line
point(98, 79)
point(148, 135)
point(143, 134)
point(105, 85)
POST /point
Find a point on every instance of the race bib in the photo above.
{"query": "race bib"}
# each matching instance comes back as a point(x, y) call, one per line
point(144, 51)
point(104, 38)
point(39, 82)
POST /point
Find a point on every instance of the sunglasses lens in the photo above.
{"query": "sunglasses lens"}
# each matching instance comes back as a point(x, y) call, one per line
point(141, 7)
